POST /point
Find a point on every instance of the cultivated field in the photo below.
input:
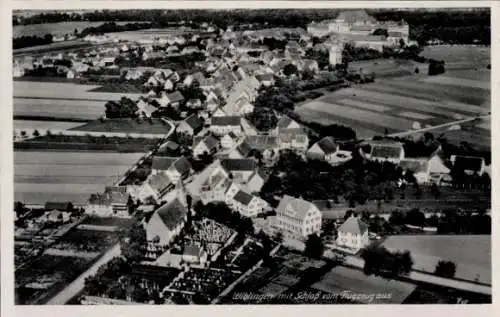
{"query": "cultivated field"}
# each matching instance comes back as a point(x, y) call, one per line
point(133, 36)
point(56, 29)
point(405, 103)
point(61, 100)
point(44, 125)
point(66, 176)
point(471, 254)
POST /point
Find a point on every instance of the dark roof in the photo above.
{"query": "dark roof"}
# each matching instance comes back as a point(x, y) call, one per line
point(239, 164)
point(262, 142)
point(168, 146)
point(210, 141)
point(243, 197)
point(182, 165)
point(244, 148)
point(284, 122)
point(194, 122)
point(162, 162)
point(227, 120)
point(327, 145)
point(172, 214)
point(468, 163)
point(175, 96)
point(99, 199)
point(50, 205)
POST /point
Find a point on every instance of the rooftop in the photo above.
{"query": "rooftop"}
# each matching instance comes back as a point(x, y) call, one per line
point(354, 225)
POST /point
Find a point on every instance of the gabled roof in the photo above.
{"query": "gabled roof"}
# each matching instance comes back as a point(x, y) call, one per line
point(327, 145)
point(209, 141)
point(294, 207)
point(244, 148)
point(159, 182)
point(194, 122)
point(99, 199)
point(243, 198)
point(384, 149)
point(354, 225)
point(262, 142)
point(117, 194)
point(175, 96)
point(239, 164)
point(226, 121)
point(284, 122)
point(172, 214)
point(182, 165)
point(168, 146)
point(162, 162)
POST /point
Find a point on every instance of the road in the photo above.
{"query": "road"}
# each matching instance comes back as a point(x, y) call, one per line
point(77, 285)
point(444, 125)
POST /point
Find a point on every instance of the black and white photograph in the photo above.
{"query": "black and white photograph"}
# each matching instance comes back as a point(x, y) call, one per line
point(312, 156)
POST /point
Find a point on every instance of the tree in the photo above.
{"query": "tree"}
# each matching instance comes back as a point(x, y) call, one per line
point(130, 205)
point(415, 217)
point(417, 71)
point(36, 133)
point(133, 245)
point(445, 269)
point(314, 247)
point(435, 190)
point(290, 69)
point(70, 207)
point(19, 208)
point(278, 236)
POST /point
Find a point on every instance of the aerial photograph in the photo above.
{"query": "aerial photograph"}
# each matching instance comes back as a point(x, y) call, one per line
point(252, 156)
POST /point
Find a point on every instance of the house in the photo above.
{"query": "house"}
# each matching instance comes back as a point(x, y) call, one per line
point(219, 112)
point(255, 181)
point(223, 125)
point(384, 151)
point(168, 85)
point(160, 164)
point(293, 139)
point(158, 185)
point(175, 99)
point(437, 169)
point(335, 211)
point(247, 205)
point(152, 82)
point(152, 55)
point(297, 218)
point(194, 103)
point(173, 49)
point(190, 50)
point(229, 140)
point(107, 62)
point(118, 197)
point(418, 166)
point(266, 80)
point(175, 167)
point(191, 125)
point(207, 145)
point(58, 216)
point(241, 151)
point(133, 74)
point(144, 109)
point(194, 254)
point(323, 150)
point(285, 122)
point(248, 128)
point(99, 205)
point(198, 76)
point(469, 165)
point(353, 234)
point(169, 148)
point(241, 169)
point(166, 223)
point(262, 142)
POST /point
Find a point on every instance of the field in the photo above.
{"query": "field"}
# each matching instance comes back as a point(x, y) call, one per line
point(471, 254)
point(44, 125)
point(405, 103)
point(61, 100)
point(53, 48)
point(459, 55)
point(127, 126)
point(56, 29)
point(66, 176)
point(133, 36)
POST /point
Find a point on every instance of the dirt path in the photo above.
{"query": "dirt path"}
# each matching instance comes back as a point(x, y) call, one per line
point(77, 285)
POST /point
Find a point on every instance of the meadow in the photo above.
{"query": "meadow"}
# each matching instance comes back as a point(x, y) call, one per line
point(459, 55)
point(471, 254)
point(405, 103)
point(66, 176)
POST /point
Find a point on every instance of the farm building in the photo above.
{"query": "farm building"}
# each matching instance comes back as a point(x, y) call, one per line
point(223, 125)
point(385, 151)
point(206, 145)
point(191, 125)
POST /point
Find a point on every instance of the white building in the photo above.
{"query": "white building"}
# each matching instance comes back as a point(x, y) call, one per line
point(353, 234)
point(297, 218)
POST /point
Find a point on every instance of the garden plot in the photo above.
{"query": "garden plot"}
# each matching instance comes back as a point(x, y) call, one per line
point(471, 254)
point(56, 29)
point(44, 125)
point(58, 108)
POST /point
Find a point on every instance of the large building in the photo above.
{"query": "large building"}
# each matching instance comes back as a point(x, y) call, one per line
point(353, 233)
point(297, 218)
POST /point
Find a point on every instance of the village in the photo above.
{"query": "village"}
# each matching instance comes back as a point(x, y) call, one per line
point(240, 194)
